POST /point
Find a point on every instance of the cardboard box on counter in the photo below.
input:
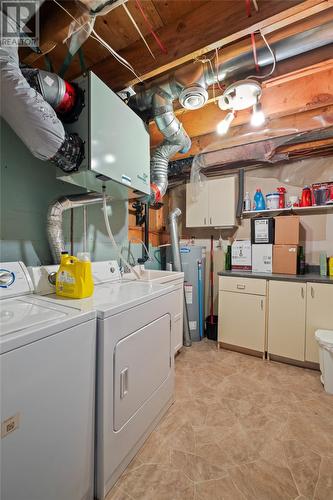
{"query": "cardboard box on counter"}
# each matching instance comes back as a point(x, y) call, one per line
point(285, 259)
point(262, 258)
point(241, 255)
point(287, 230)
point(262, 230)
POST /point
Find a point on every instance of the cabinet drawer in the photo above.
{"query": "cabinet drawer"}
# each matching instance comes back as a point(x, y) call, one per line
point(242, 285)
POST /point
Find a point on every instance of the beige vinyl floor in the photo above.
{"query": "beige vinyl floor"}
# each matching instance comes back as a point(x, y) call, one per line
point(240, 429)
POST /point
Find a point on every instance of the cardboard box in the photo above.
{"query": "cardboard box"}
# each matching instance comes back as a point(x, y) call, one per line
point(287, 230)
point(262, 230)
point(241, 255)
point(262, 256)
point(285, 259)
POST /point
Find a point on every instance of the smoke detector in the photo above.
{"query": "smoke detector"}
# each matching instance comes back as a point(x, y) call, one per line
point(193, 97)
point(240, 95)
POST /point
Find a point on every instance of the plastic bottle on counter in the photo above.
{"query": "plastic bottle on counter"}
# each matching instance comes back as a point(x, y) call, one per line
point(259, 200)
point(247, 202)
point(323, 263)
point(330, 267)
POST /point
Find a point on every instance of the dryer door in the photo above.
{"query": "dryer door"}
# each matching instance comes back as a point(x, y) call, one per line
point(142, 362)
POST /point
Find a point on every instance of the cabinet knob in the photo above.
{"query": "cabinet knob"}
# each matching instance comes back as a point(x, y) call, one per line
point(262, 304)
point(210, 220)
point(240, 287)
point(302, 292)
point(205, 221)
point(312, 292)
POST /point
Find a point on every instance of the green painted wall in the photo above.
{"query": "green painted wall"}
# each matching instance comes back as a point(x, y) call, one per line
point(27, 186)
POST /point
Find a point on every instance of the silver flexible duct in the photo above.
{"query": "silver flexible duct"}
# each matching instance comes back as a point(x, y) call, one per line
point(177, 266)
point(176, 140)
point(30, 116)
point(55, 219)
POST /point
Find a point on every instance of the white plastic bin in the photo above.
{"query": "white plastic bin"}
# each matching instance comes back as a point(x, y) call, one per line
point(325, 341)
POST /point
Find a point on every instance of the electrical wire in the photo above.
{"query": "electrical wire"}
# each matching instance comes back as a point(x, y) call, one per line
point(204, 61)
point(100, 40)
point(138, 30)
point(216, 69)
point(274, 61)
point(151, 29)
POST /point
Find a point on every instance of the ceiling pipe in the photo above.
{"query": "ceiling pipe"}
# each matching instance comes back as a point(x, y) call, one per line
point(189, 84)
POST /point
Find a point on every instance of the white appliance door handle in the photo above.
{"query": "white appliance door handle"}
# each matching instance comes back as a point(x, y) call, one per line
point(123, 383)
point(241, 287)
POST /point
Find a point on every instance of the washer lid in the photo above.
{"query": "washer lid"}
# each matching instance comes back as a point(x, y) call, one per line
point(19, 314)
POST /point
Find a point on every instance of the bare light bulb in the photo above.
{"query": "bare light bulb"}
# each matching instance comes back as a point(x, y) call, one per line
point(257, 117)
point(224, 125)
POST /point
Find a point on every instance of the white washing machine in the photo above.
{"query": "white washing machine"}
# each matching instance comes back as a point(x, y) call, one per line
point(47, 397)
point(135, 363)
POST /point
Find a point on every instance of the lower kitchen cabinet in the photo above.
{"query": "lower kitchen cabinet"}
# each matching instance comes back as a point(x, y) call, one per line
point(242, 318)
point(286, 319)
point(319, 315)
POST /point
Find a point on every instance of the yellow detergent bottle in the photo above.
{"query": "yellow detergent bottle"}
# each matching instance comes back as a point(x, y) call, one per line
point(74, 277)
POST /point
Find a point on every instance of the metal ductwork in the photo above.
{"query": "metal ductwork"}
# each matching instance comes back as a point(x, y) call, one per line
point(189, 84)
point(177, 266)
point(55, 219)
point(30, 115)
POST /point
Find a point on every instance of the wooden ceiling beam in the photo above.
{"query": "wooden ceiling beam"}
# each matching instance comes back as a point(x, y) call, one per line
point(199, 32)
point(308, 92)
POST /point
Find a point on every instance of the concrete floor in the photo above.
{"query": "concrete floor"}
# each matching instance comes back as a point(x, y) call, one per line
point(240, 429)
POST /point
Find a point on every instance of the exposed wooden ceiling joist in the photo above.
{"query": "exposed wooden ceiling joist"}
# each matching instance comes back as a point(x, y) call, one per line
point(310, 91)
point(199, 32)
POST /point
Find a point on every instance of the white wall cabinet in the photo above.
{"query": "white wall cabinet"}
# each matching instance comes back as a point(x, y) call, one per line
point(286, 319)
point(215, 205)
point(242, 313)
point(319, 315)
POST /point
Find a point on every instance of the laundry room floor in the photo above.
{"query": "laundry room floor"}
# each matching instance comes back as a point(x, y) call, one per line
point(240, 429)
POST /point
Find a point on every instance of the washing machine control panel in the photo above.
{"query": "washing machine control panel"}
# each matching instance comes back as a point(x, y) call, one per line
point(14, 279)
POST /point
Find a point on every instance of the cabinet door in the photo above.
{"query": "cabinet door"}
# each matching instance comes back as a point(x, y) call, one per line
point(197, 208)
point(242, 320)
point(222, 202)
point(286, 319)
point(319, 315)
point(178, 324)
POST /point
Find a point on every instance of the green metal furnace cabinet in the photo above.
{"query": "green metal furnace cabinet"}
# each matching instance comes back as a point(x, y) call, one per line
point(117, 150)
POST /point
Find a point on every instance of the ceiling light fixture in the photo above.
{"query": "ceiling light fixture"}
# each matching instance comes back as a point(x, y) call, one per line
point(224, 125)
point(257, 117)
point(241, 95)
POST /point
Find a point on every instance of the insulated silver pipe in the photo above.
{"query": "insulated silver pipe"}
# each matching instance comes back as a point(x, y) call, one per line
point(177, 266)
point(55, 219)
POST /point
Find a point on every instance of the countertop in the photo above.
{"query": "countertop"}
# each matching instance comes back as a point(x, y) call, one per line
point(308, 277)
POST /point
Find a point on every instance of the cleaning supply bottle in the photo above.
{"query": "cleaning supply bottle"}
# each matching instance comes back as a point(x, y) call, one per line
point(323, 263)
point(330, 267)
point(259, 200)
point(74, 277)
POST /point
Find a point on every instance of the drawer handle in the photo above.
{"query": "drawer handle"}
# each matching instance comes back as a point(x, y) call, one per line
point(241, 287)
point(123, 383)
